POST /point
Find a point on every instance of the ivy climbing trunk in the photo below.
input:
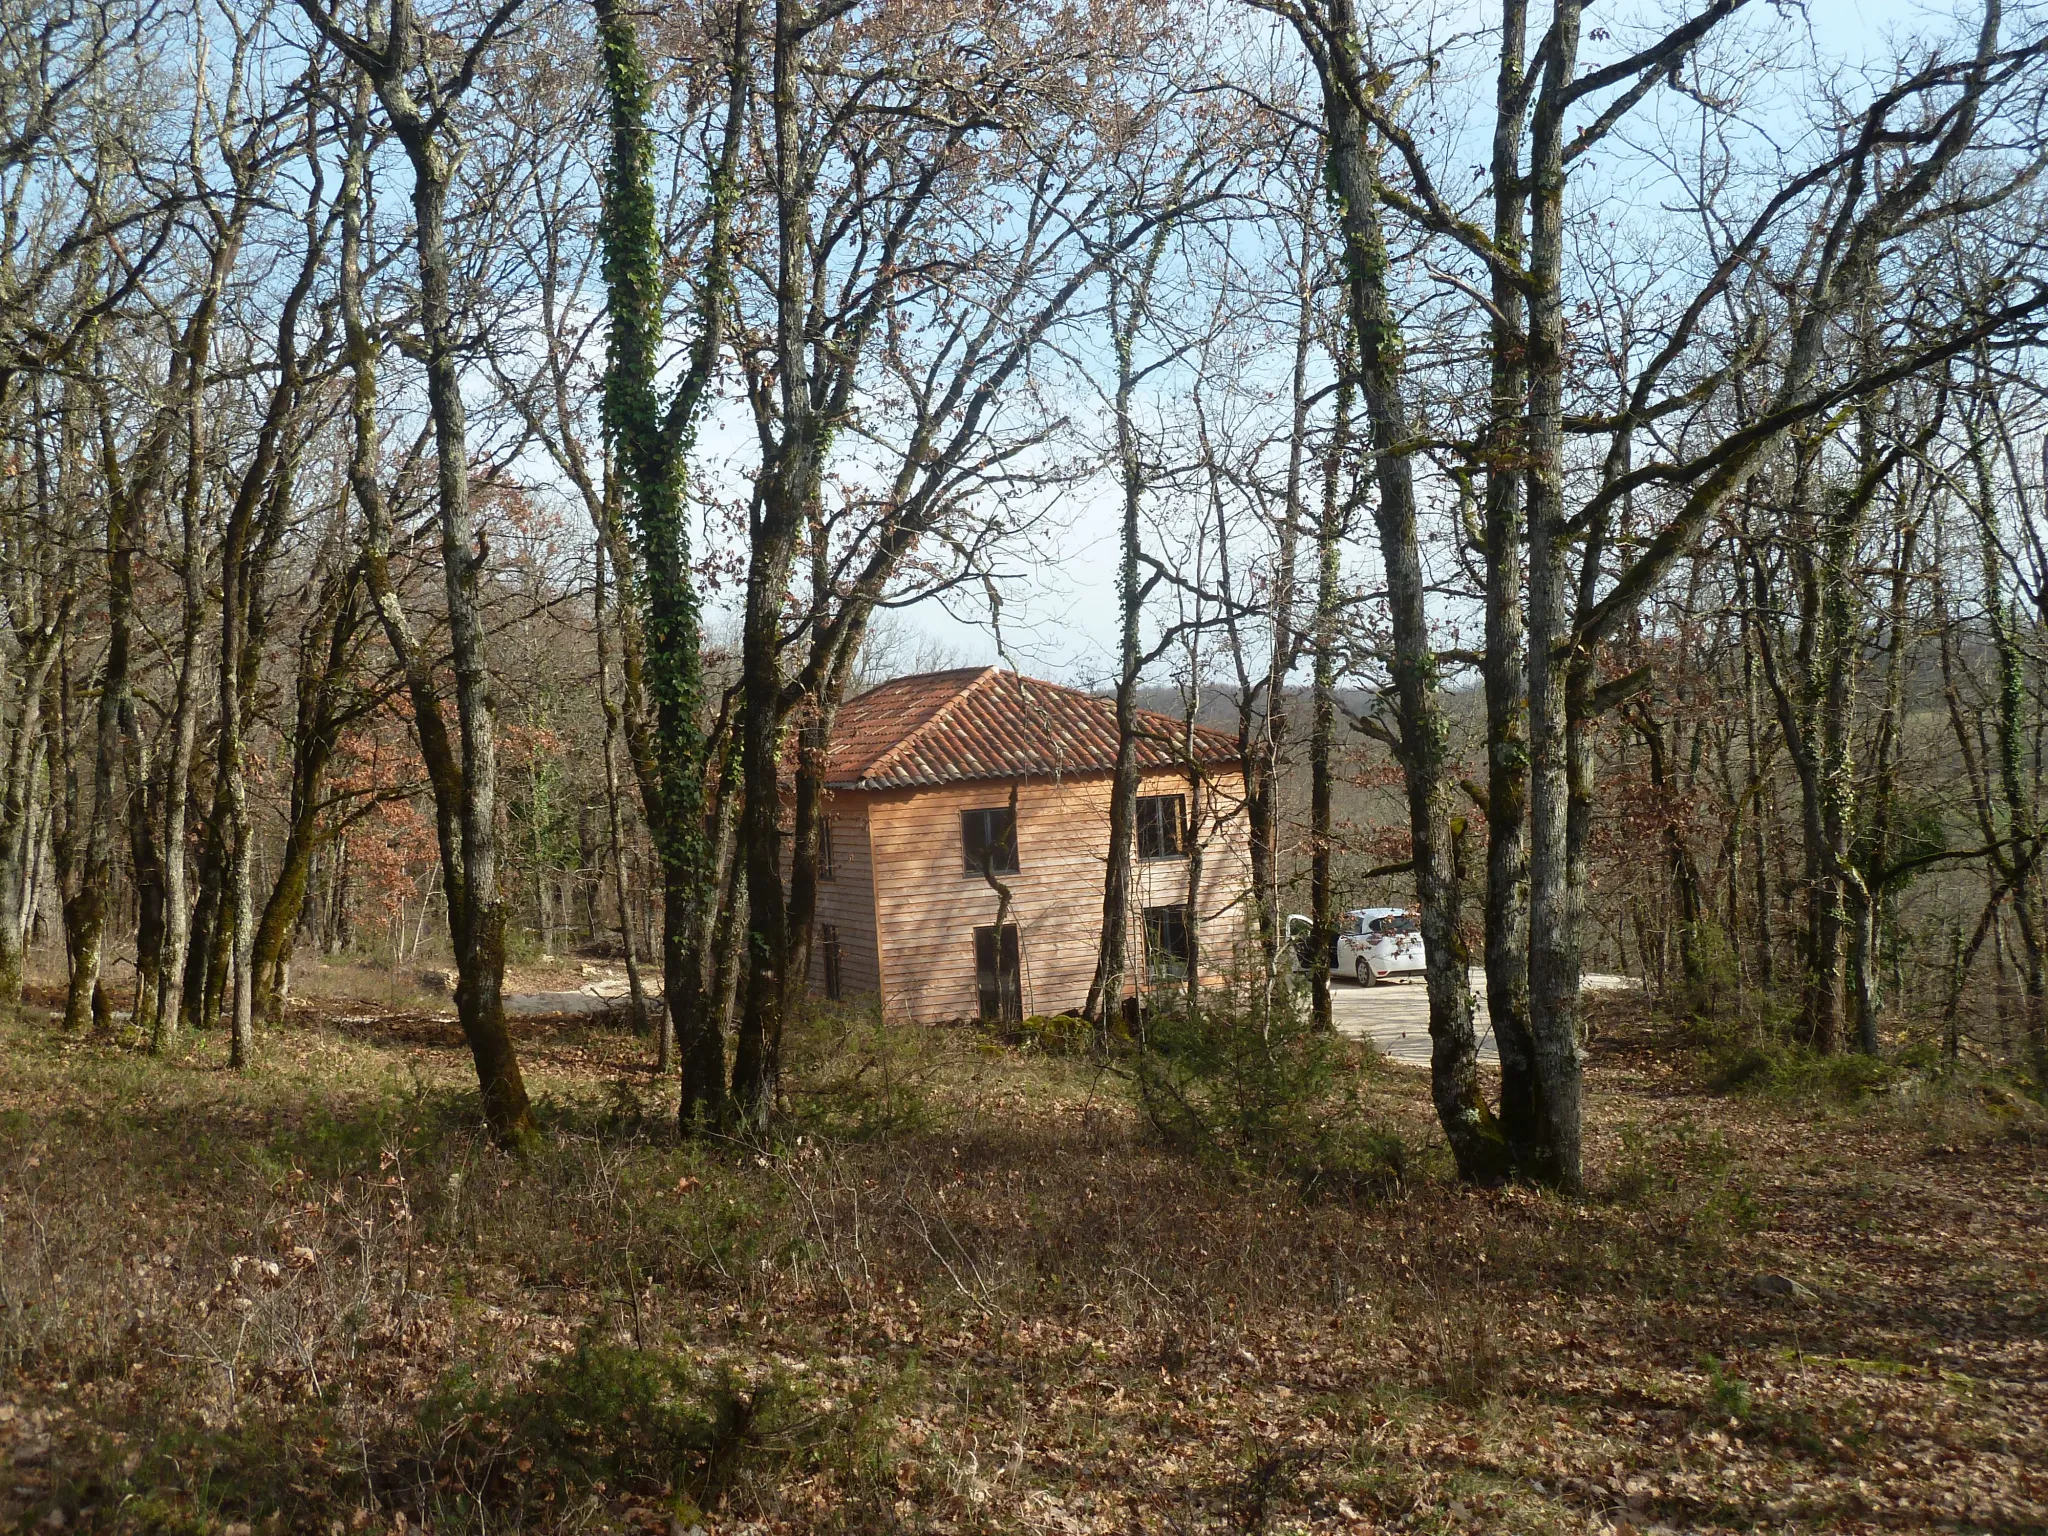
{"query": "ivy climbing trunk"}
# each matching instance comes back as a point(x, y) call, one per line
point(1127, 307)
point(650, 448)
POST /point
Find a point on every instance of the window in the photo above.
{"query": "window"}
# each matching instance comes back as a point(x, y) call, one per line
point(828, 942)
point(989, 841)
point(1162, 826)
point(825, 866)
point(997, 984)
point(1167, 950)
point(1400, 923)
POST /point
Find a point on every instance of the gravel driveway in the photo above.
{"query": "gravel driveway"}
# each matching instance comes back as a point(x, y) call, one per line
point(1395, 1014)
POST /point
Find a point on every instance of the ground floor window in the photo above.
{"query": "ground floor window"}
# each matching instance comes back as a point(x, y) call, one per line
point(997, 983)
point(828, 941)
point(1167, 950)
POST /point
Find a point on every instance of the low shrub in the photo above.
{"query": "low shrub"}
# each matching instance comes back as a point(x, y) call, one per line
point(640, 1422)
point(1797, 1071)
point(854, 1076)
point(1258, 1085)
point(1690, 1180)
point(1710, 974)
point(1728, 1395)
point(1636, 1176)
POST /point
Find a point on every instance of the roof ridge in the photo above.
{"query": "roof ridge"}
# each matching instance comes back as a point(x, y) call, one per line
point(1181, 724)
point(910, 738)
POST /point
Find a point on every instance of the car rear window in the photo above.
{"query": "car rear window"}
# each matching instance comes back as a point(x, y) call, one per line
point(1400, 923)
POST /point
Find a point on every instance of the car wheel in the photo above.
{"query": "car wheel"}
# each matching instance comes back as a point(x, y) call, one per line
point(1365, 976)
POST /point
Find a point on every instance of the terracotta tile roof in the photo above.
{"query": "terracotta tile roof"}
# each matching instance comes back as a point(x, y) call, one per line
point(987, 723)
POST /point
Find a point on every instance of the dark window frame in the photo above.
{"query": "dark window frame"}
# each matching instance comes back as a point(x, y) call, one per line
point(828, 868)
point(998, 975)
point(828, 947)
point(1162, 836)
point(1169, 932)
point(979, 834)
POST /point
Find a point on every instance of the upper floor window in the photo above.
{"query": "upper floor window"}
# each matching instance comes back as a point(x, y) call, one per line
point(1162, 826)
point(825, 866)
point(988, 840)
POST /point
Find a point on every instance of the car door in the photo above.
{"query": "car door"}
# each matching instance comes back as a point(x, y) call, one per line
point(1344, 948)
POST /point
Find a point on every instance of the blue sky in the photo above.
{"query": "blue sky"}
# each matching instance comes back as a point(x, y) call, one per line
point(1060, 616)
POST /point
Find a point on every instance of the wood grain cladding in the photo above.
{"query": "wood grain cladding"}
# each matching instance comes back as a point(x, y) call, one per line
point(899, 855)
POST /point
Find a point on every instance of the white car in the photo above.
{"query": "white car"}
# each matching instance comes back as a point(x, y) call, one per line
point(1372, 944)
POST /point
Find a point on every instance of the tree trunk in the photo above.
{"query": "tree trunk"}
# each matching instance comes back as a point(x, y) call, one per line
point(651, 448)
point(1127, 305)
point(1554, 1154)
point(1505, 675)
point(86, 912)
point(714, 954)
point(1757, 795)
point(465, 799)
point(2018, 862)
point(1882, 800)
point(79, 903)
point(17, 810)
point(1322, 916)
point(788, 489)
point(1197, 808)
point(323, 664)
point(1263, 737)
point(1839, 888)
point(757, 1060)
point(146, 857)
point(237, 834)
point(199, 1007)
point(724, 949)
point(172, 997)
point(278, 927)
point(635, 992)
point(1461, 1107)
point(475, 905)
point(231, 797)
point(324, 657)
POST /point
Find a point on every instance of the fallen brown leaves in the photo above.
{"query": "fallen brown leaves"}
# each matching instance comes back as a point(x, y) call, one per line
point(316, 1296)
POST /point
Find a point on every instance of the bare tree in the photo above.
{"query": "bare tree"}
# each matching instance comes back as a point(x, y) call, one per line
point(418, 100)
point(1350, 80)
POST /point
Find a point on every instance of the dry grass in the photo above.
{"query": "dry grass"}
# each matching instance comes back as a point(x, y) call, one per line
point(972, 1293)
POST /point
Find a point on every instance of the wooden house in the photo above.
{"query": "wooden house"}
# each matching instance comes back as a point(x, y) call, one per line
point(944, 787)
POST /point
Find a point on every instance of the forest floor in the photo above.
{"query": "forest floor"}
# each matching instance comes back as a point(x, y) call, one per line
point(971, 1291)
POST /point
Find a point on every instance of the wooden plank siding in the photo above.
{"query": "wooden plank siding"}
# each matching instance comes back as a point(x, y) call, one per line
point(928, 906)
point(847, 901)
